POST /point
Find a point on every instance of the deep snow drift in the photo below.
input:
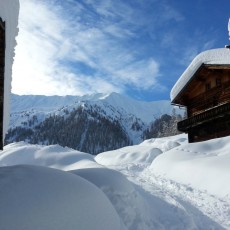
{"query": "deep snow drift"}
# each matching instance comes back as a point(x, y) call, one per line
point(42, 198)
point(203, 165)
point(162, 183)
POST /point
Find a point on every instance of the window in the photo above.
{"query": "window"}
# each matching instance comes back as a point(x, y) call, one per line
point(218, 82)
point(207, 86)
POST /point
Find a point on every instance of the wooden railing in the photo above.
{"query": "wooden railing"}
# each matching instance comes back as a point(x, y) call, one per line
point(206, 116)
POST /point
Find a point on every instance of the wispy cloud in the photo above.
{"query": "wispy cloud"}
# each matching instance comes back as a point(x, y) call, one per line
point(51, 39)
point(82, 47)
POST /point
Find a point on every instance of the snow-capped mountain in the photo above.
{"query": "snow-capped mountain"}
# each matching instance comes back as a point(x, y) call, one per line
point(92, 123)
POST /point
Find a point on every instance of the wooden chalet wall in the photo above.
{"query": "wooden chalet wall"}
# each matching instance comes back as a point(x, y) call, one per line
point(210, 88)
point(2, 69)
point(207, 98)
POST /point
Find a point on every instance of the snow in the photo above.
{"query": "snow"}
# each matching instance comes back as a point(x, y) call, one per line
point(53, 156)
point(147, 111)
point(166, 143)
point(9, 10)
point(35, 197)
point(129, 113)
point(128, 155)
point(40, 102)
point(162, 183)
point(202, 165)
point(130, 205)
point(214, 56)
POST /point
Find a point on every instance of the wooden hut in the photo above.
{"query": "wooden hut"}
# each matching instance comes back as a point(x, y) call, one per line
point(204, 89)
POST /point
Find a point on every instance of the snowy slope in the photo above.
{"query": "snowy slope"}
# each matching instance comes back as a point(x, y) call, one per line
point(203, 165)
point(166, 183)
point(39, 103)
point(146, 111)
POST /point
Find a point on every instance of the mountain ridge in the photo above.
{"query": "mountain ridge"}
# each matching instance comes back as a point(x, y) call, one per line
point(142, 109)
point(91, 120)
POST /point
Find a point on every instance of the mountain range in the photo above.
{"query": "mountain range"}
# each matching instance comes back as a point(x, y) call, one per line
point(90, 123)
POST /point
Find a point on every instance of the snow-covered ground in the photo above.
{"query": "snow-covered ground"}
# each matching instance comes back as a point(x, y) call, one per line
point(161, 183)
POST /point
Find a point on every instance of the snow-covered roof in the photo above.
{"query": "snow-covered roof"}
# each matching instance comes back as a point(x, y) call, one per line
point(9, 10)
point(212, 57)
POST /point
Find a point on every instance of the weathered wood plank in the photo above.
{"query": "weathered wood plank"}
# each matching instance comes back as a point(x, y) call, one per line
point(2, 70)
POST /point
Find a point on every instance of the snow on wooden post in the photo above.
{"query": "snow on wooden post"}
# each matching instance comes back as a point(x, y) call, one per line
point(9, 10)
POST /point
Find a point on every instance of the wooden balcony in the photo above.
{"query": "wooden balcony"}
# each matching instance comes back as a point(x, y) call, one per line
point(209, 99)
point(204, 117)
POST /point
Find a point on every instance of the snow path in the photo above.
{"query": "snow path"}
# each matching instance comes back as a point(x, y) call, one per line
point(178, 206)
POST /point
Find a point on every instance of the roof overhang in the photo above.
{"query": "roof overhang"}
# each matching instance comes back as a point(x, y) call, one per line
point(212, 59)
point(200, 74)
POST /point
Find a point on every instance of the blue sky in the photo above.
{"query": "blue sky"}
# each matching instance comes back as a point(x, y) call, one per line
point(137, 48)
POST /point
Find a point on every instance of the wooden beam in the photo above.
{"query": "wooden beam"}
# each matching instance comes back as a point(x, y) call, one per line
point(2, 24)
point(217, 66)
point(2, 67)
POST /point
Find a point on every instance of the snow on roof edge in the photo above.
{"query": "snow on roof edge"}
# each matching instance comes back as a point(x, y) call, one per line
point(214, 56)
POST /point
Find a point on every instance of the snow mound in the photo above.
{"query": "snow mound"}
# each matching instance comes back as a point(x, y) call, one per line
point(129, 155)
point(34, 197)
point(53, 156)
point(163, 183)
point(214, 56)
point(203, 165)
point(143, 153)
point(129, 204)
point(166, 143)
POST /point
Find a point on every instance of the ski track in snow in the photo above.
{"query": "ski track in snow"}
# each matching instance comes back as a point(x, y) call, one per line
point(178, 206)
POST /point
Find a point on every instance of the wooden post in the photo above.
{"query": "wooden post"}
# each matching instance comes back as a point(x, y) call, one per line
point(2, 71)
point(190, 136)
